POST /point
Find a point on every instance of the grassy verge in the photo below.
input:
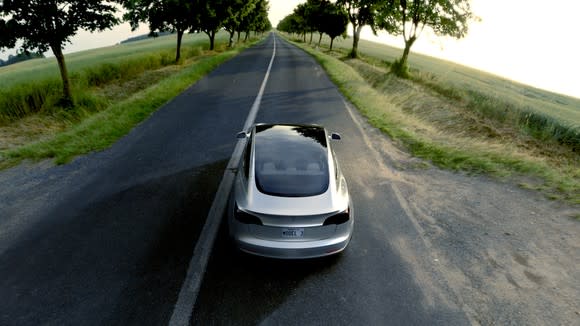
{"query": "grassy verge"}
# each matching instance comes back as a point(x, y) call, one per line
point(540, 125)
point(381, 102)
point(96, 131)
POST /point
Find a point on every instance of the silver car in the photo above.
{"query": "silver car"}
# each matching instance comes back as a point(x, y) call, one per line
point(290, 199)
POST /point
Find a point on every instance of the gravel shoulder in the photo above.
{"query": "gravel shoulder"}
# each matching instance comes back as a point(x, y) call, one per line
point(508, 255)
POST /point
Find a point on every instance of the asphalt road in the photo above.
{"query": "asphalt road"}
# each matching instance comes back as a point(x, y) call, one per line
point(369, 284)
point(107, 238)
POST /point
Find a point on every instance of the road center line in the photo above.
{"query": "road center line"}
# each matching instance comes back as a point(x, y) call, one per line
point(190, 288)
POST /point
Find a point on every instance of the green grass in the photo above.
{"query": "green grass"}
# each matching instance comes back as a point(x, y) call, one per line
point(385, 103)
point(88, 130)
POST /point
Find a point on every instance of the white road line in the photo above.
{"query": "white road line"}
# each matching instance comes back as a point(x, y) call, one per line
point(190, 288)
point(252, 115)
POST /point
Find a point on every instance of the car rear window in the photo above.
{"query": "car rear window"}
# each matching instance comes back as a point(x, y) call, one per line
point(291, 161)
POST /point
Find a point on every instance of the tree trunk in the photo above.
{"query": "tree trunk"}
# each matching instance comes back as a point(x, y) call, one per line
point(304, 37)
point(355, 38)
point(67, 99)
point(231, 41)
point(310, 38)
point(211, 35)
point(239, 32)
point(320, 39)
point(247, 35)
point(406, 51)
point(178, 50)
point(331, 41)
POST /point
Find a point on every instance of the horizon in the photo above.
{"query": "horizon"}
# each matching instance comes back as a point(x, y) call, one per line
point(528, 59)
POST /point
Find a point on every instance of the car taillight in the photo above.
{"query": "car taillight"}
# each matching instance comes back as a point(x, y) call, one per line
point(339, 218)
point(246, 218)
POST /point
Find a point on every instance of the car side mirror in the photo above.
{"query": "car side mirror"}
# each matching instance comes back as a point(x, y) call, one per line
point(242, 135)
point(335, 136)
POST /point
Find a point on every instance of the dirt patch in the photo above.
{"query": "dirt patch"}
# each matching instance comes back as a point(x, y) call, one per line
point(29, 129)
point(508, 255)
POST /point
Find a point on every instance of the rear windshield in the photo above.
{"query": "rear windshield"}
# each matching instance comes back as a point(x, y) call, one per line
point(291, 161)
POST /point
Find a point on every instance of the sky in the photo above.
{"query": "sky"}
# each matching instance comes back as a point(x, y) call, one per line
point(534, 42)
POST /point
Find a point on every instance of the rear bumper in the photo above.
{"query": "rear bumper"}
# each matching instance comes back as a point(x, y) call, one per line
point(292, 250)
point(250, 243)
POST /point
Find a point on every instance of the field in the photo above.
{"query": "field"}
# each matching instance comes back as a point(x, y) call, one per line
point(114, 89)
point(79, 61)
point(463, 119)
point(561, 107)
point(34, 86)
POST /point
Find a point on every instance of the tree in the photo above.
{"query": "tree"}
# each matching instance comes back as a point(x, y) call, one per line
point(162, 16)
point(212, 14)
point(259, 21)
point(285, 24)
point(313, 15)
point(236, 11)
point(315, 12)
point(444, 17)
point(301, 20)
point(360, 13)
point(50, 24)
point(293, 24)
point(256, 19)
point(335, 21)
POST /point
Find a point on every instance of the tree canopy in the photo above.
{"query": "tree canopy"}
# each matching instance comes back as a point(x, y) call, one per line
point(211, 17)
point(335, 21)
point(290, 24)
point(237, 10)
point(49, 24)
point(316, 16)
point(257, 19)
